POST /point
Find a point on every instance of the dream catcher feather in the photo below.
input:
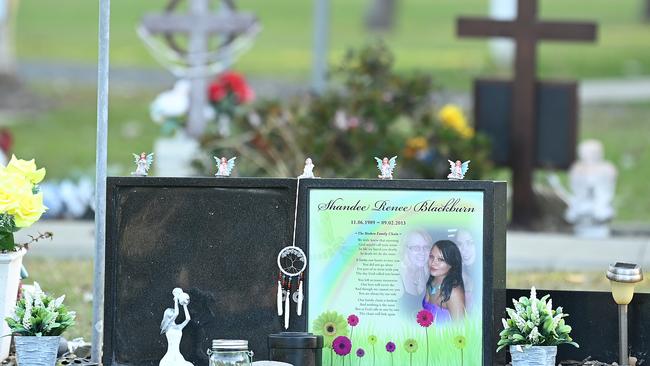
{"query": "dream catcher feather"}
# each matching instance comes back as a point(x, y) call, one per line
point(292, 263)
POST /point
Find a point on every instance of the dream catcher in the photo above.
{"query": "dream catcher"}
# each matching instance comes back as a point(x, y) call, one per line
point(292, 262)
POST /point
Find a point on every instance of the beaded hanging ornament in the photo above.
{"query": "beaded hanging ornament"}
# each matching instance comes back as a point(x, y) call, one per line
point(292, 263)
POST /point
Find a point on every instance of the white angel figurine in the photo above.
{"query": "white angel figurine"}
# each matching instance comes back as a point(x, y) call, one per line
point(457, 169)
point(386, 167)
point(308, 171)
point(224, 167)
point(174, 332)
point(143, 162)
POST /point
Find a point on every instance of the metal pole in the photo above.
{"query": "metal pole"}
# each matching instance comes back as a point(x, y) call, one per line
point(623, 359)
point(100, 178)
point(321, 30)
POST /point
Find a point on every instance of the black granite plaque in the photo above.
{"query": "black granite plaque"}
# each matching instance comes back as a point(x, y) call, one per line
point(217, 239)
point(556, 120)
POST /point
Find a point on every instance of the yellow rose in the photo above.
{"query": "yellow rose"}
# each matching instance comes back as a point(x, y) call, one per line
point(452, 117)
point(27, 168)
point(29, 210)
point(12, 186)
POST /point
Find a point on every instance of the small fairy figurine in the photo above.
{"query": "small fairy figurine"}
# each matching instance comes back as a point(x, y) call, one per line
point(224, 167)
point(143, 162)
point(308, 171)
point(386, 167)
point(458, 169)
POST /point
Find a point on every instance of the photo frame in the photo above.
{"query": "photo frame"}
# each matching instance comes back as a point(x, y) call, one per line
point(365, 282)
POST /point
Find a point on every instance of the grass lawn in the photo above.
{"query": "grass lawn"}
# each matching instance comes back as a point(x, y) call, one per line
point(63, 138)
point(74, 278)
point(423, 39)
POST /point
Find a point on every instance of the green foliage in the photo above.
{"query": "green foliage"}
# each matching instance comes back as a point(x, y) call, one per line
point(39, 314)
point(7, 230)
point(378, 112)
point(533, 322)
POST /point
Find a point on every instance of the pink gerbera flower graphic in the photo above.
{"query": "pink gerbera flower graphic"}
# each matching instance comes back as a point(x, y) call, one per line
point(342, 345)
point(425, 318)
point(353, 320)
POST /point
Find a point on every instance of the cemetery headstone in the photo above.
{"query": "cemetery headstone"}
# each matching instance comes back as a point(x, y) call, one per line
point(218, 239)
point(556, 120)
point(526, 30)
point(593, 184)
point(594, 321)
point(234, 32)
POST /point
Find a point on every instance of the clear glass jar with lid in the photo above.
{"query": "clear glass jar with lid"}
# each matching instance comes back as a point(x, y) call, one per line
point(230, 352)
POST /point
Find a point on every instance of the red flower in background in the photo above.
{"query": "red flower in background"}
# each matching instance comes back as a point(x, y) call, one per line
point(6, 141)
point(230, 82)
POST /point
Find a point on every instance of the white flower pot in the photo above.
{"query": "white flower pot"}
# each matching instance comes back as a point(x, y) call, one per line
point(9, 279)
point(173, 155)
point(533, 355)
point(36, 351)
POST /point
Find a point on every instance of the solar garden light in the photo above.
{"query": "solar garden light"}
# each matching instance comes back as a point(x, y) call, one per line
point(623, 276)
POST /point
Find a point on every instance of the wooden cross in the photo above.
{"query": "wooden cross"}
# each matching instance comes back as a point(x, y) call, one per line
point(526, 30)
point(199, 24)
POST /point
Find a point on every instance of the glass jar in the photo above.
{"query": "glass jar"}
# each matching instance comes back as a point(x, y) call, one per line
point(228, 352)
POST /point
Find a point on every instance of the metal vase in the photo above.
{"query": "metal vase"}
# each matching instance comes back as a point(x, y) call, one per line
point(36, 351)
point(533, 356)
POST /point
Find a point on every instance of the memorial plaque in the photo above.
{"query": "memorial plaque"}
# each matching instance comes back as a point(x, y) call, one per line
point(555, 121)
point(217, 239)
point(381, 252)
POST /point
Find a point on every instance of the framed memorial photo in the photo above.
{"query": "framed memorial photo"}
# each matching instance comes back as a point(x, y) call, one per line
point(405, 272)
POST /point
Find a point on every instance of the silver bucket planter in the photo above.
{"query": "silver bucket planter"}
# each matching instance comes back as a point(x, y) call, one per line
point(36, 351)
point(533, 356)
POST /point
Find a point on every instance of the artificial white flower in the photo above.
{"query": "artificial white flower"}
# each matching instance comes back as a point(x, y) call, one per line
point(53, 305)
point(534, 335)
point(27, 318)
point(341, 120)
point(172, 103)
point(534, 313)
point(50, 323)
point(519, 321)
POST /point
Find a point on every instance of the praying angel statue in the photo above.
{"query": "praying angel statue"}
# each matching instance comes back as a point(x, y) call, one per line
point(173, 331)
point(386, 167)
point(224, 167)
point(143, 162)
point(458, 169)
